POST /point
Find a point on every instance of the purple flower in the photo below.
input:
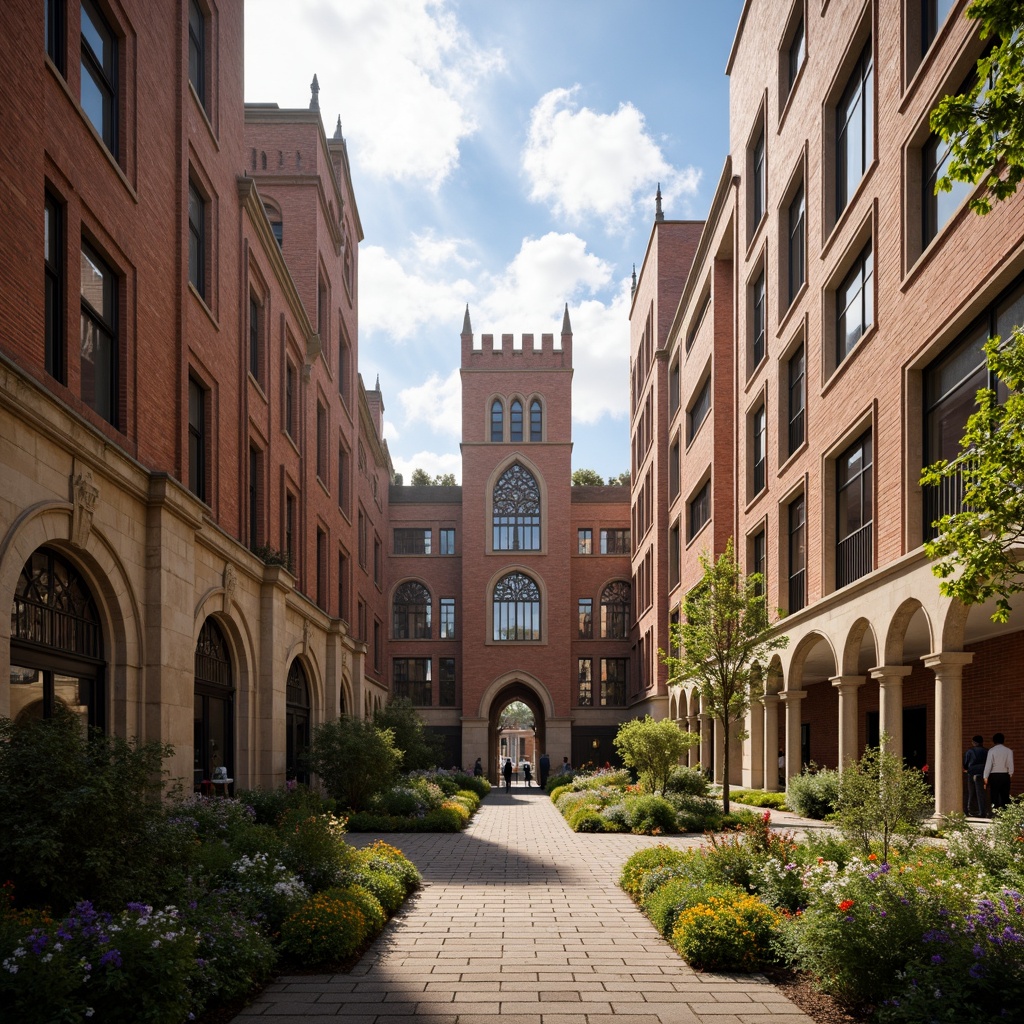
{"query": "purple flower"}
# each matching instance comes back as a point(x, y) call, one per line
point(976, 971)
point(936, 959)
point(37, 941)
point(112, 958)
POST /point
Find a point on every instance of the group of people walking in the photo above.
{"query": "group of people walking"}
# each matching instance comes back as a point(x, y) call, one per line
point(543, 766)
point(988, 771)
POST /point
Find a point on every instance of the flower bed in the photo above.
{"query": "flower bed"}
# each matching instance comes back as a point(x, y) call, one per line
point(936, 933)
point(425, 801)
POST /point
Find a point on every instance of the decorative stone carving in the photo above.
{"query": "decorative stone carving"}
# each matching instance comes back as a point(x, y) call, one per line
point(306, 631)
point(86, 494)
point(230, 586)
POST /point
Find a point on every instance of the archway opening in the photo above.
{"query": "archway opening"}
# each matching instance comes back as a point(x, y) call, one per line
point(515, 729)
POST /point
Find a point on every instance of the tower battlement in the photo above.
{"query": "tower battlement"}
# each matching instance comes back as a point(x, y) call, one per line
point(545, 351)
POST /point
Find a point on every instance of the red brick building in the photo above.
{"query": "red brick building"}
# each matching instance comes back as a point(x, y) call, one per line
point(842, 340)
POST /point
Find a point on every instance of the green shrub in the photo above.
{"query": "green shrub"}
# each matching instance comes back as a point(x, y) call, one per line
point(687, 781)
point(559, 779)
point(692, 867)
point(572, 800)
point(269, 804)
point(729, 931)
point(370, 906)
point(449, 817)
point(389, 890)
point(667, 902)
point(266, 888)
point(477, 783)
point(652, 748)
point(76, 810)
point(327, 928)
point(314, 848)
point(759, 798)
point(558, 789)
point(420, 748)
point(696, 813)
point(586, 819)
point(814, 793)
point(650, 815)
point(354, 759)
point(380, 856)
point(643, 861)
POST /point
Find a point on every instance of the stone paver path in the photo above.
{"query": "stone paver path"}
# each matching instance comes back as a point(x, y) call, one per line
point(521, 919)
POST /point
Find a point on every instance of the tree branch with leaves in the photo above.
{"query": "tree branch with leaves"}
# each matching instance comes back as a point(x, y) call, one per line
point(725, 631)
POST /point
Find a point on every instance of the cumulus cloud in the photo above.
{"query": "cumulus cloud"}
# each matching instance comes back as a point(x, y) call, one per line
point(406, 124)
point(436, 403)
point(583, 163)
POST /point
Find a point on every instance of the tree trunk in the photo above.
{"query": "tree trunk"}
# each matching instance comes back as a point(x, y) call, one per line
point(725, 765)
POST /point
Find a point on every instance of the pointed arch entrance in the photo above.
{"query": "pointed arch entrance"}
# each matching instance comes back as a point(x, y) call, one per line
point(507, 693)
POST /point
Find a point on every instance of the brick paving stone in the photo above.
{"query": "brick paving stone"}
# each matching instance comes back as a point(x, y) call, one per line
point(521, 921)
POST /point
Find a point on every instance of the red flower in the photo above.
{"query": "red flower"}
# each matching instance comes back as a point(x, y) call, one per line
point(872, 856)
point(845, 905)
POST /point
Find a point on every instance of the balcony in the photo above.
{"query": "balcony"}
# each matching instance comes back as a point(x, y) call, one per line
point(854, 556)
point(945, 499)
point(797, 591)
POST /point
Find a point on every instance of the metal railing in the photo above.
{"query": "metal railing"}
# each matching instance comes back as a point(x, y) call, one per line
point(797, 590)
point(854, 556)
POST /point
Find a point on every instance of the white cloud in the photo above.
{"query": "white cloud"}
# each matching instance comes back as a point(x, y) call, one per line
point(584, 163)
point(405, 124)
point(436, 403)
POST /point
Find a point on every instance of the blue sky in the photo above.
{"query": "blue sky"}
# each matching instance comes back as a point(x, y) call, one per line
point(505, 155)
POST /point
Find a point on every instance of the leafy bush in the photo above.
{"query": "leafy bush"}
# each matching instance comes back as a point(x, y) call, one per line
point(367, 903)
point(558, 779)
point(269, 804)
point(586, 819)
point(643, 861)
point(650, 815)
point(76, 810)
point(420, 749)
point(653, 749)
point(324, 930)
point(388, 890)
point(267, 889)
point(814, 793)
point(572, 800)
point(314, 849)
point(380, 856)
point(687, 781)
point(696, 813)
point(759, 798)
point(728, 931)
point(667, 902)
point(354, 759)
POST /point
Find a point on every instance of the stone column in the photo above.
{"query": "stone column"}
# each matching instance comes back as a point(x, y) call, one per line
point(791, 699)
point(693, 754)
point(706, 725)
point(890, 703)
point(948, 667)
point(847, 687)
point(771, 741)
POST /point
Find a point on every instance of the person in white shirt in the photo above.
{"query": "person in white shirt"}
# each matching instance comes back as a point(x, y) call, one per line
point(998, 771)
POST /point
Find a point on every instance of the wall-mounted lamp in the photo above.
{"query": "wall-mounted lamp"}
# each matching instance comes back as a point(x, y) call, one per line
point(595, 743)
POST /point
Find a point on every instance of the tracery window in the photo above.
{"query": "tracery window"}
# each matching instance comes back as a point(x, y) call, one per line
point(516, 608)
point(615, 611)
point(411, 612)
point(516, 511)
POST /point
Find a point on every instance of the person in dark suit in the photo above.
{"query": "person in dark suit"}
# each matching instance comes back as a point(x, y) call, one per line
point(507, 772)
point(544, 766)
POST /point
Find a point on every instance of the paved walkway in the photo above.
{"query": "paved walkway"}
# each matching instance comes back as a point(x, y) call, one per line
point(521, 919)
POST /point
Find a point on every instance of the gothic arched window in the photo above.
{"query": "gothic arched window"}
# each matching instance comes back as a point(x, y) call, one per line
point(497, 421)
point(516, 511)
point(615, 611)
point(516, 608)
point(214, 705)
point(536, 421)
point(515, 421)
point(411, 612)
point(297, 706)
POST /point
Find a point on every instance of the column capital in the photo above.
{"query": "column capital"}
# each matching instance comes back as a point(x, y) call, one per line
point(886, 672)
point(769, 698)
point(844, 684)
point(947, 659)
point(792, 696)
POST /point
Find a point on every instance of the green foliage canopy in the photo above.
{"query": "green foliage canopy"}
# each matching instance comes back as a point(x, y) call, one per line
point(725, 630)
point(355, 760)
point(419, 748)
point(653, 748)
point(586, 478)
point(984, 126)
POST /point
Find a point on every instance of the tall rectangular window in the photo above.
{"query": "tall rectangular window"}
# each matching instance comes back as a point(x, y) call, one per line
point(854, 130)
point(585, 682)
point(53, 15)
point(254, 337)
point(586, 618)
point(99, 369)
point(53, 228)
point(855, 304)
point(797, 554)
point(937, 208)
point(343, 373)
point(446, 682)
point(410, 678)
point(933, 16)
point(757, 326)
point(673, 388)
point(362, 539)
point(673, 469)
point(698, 411)
point(759, 438)
point(757, 185)
point(447, 624)
point(797, 251)
point(536, 421)
point(99, 74)
point(585, 541)
point(255, 495)
point(377, 560)
point(378, 646)
point(197, 50)
point(759, 559)
point(797, 53)
point(796, 374)
point(614, 672)
point(343, 589)
point(446, 539)
point(615, 542)
point(289, 530)
point(322, 309)
point(854, 548)
point(196, 240)
point(289, 398)
point(321, 567)
point(343, 483)
point(321, 441)
point(196, 439)
point(700, 511)
point(674, 555)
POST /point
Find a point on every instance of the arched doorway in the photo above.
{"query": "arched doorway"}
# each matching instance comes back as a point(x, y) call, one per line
point(56, 642)
point(297, 723)
point(510, 694)
point(214, 708)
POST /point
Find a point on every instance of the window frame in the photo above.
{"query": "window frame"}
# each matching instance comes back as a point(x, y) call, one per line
point(497, 421)
point(515, 421)
point(615, 614)
point(863, 267)
point(585, 615)
point(796, 247)
point(612, 692)
point(616, 538)
point(796, 433)
point(584, 540)
point(197, 49)
point(797, 546)
point(446, 619)
point(701, 398)
point(861, 485)
point(758, 320)
point(536, 421)
point(104, 323)
point(518, 527)
point(415, 687)
point(516, 613)
point(198, 238)
point(411, 606)
point(857, 96)
point(698, 506)
point(55, 33)
point(446, 540)
point(55, 272)
point(759, 449)
point(198, 413)
point(103, 73)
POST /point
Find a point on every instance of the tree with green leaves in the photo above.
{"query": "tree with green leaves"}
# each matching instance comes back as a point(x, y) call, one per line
point(622, 480)
point(725, 630)
point(420, 749)
point(653, 749)
point(516, 716)
point(984, 126)
point(586, 478)
point(421, 478)
point(354, 759)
